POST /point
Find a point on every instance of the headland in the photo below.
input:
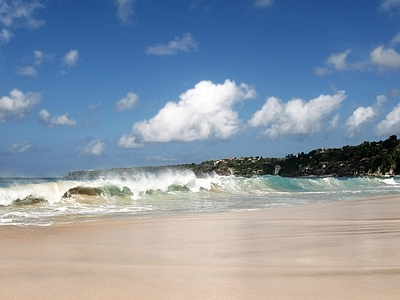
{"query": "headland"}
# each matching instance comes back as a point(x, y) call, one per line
point(381, 158)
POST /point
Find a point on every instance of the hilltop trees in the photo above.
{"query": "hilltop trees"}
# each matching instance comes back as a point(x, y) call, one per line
point(366, 159)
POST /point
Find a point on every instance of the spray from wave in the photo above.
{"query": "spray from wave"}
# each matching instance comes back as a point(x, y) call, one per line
point(169, 192)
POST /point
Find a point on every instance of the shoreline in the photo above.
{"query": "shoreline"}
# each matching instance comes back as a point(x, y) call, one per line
point(332, 250)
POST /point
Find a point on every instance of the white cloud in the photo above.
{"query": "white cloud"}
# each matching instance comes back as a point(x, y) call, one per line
point(264, 3)
point(27, 71)
point(380, 99)
point(128, 141)
point(270, 110)
point(391, 124)
point(387, 5)
point(127, 102)
point(5, 36)
point(322, 71)
point(395, 40)
point(382, 56)
point(20, 148)
point(385, 57)
point(359, 117)
point(187, 44)
point(363, 115)
point(40, 56)
point(335, 121)
point(18, 13)
point(204, 112)
point(337, 62)
point(71, 58)
point(125, 10)
point(63, 120)
point(92, 148)
point(17, 104)
point(296, 117)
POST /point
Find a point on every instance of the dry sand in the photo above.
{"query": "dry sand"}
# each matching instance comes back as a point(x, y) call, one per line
point(341, 250)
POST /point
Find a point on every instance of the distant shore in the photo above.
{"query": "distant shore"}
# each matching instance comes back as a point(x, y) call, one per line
point(336, 250)
point(367, 159)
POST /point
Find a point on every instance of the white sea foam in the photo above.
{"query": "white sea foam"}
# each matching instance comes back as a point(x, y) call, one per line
point(169, 192)
point(50, 192)
point(390, 181)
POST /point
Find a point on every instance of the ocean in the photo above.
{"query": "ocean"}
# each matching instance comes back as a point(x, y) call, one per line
point(169, 192)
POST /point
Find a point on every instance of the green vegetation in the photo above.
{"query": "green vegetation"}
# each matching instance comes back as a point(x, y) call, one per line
point(243, 166)
point(367, 159)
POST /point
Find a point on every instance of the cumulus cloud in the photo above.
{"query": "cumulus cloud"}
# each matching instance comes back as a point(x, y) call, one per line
point(125, 10)
point(334, 121)
point(387, 5)
point(129, 141)
point(385, 57)
point(127, 102)
point(363, 115)
point(186, 43)
point(40, 56)
point(264, 3)
point(17, 104)
point(337, 62)
point(20, 148)
point(27, 71)
point(296, 117)
point(71, 58)
point(20, 14)
point(360, 116)
point(5, 36)
point(48, 121)
point(14, 14)
point(395, 40)
point(204, 112)
point(92, 148)
point(391, 124)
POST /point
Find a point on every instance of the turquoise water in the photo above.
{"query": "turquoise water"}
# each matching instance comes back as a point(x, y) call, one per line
point(169, 192)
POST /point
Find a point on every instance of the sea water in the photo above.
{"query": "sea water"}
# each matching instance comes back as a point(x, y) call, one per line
point(169, 192)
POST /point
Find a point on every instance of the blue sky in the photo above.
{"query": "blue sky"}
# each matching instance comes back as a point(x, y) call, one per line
point(121, 83)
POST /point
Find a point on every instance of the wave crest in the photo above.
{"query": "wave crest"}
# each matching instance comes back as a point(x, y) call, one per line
point(184, 183)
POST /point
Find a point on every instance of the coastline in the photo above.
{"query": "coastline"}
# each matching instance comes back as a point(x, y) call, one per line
point(334, 250)
point(366, 159)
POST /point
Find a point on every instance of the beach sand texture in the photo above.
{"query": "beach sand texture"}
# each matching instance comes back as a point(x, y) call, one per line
point(337, 250)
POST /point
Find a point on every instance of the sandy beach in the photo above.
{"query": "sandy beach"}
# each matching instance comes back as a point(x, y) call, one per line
point(336, 250)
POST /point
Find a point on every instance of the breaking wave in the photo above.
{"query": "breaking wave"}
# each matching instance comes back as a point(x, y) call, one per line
point(170, 192)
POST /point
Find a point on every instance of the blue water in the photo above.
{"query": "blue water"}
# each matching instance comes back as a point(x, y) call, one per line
point(47, 201)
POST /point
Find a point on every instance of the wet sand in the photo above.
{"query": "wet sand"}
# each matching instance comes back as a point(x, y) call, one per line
point(340, 250)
